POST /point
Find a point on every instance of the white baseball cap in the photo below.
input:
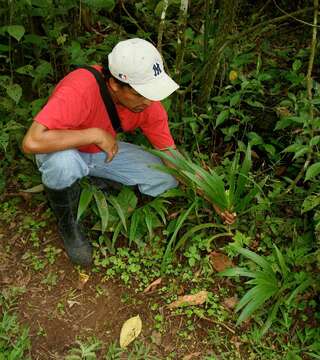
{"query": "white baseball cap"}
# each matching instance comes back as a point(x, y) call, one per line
point(139, 64)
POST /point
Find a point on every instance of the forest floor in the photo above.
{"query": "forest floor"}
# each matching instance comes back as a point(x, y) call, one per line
point(61, 304)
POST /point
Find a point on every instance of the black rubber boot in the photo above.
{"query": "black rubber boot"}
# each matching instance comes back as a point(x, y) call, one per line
point(64, 204)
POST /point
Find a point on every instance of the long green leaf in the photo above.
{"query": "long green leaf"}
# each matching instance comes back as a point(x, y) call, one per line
point(262, 294)
point(85, 199)
point(237, 271)
point(259, 260)
point(213, 188)
point(232, 178)
point(180, 222)
point(243, 174)
point(102, 208)
point(116, 233)
point(134, 223)
point(193, 230)
point(303, 286)
point(272, 315)
point(114, 202)
point(281, 261)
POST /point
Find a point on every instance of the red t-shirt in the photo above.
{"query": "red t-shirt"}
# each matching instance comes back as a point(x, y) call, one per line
point(76, 104)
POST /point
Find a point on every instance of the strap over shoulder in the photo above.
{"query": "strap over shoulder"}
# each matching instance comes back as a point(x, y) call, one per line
point(106, 97)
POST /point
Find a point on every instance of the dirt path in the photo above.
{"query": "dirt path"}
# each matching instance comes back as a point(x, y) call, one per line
point(60, 304)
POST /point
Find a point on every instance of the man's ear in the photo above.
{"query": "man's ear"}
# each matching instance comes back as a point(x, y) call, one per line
point(114, 85)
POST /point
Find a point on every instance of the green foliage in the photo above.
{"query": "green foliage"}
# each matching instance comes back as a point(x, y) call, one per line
point(272, 282)
point(14, 339)
point(231, 194)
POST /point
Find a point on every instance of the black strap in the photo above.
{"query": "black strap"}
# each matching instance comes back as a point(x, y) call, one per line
point(106, 97)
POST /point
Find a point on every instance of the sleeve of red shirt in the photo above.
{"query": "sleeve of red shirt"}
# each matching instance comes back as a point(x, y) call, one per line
point(156, 128)
point(65, 109)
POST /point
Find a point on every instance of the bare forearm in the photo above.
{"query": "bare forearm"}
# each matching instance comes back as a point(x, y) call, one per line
point(57, 140)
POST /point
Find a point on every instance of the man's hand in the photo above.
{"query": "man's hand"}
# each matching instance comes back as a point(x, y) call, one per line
point(228, 218)
point(107, 143)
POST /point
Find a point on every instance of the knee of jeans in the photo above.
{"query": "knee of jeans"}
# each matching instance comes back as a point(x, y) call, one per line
point(61, 169)
point(159, 185)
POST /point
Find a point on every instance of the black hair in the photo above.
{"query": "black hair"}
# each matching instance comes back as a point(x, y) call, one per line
point(107, 74)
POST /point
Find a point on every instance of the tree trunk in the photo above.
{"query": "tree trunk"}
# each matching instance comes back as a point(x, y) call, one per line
point(227, 14)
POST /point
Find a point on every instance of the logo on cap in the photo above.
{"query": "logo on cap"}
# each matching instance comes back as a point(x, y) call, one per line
point(123, 77)
point(157, 69)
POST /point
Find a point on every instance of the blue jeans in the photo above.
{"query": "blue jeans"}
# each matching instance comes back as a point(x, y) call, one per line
point(131, 166)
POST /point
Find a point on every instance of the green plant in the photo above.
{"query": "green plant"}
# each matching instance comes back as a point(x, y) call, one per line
point(84, 351)
point(275, 284)
point(232, 196)
point(14, 339)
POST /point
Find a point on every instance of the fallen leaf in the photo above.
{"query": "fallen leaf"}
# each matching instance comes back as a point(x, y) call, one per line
point(231, 302)
point(195, 299)
point(130, 330)
point(191, 356)
point(36, 189)
point(233, 75)
point(83, 279)
point(156, 337)
point(72, 302)
point(152, 286)
point(220, 262)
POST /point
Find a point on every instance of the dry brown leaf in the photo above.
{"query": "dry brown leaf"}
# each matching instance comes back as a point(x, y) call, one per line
point(231, 302)
point(130, 330)
point(71, 303)
point(83, 279)
point(191, 356)
point(195, 299)
point(220, 262)
point(36, 189)
point(152, 286)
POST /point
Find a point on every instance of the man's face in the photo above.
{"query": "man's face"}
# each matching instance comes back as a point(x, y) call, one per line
point(128, 97)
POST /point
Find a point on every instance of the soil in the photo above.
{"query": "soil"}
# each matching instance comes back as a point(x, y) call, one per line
point(58, 314)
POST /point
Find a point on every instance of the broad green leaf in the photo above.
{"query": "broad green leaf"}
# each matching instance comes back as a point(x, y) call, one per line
point(222, 117)
point(259, 260)
point(247, 297)
point(315, 140)
point(25, 70)
point(294, 148)
point(262, 294)
point(16, 31)
point(255, 139)
point(237, 271)
point(312, 171)
point(127, 199)
point(310, 202)
point(134, 223)
point(85, 198)
point(301, 152)
point(102, 208)
point(15, 92)
point(283, 123)
point(296, 65)
point(235, 99)
point(114, 202)
point(255, 103)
